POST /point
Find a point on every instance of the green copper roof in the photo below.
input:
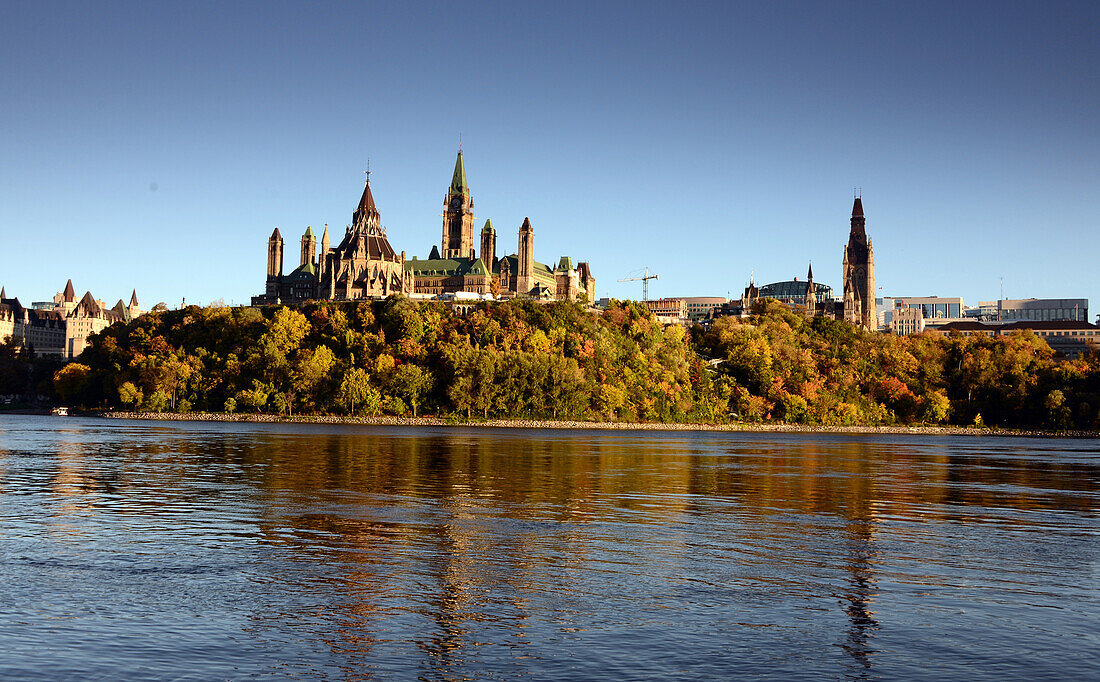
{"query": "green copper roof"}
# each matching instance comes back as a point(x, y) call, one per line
point(488, 226)
point(309, 231)
point(479, 268)
point(541, 272)
point(437, 266)
point(458, 181)
point(566, 263)
point(307, 269)
point(446, 267)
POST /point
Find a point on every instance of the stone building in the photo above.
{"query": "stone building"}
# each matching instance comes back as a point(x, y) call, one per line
point(364, 265)
point(859, 273)
point(457, 267)
point(64, 328)
point(906, 321)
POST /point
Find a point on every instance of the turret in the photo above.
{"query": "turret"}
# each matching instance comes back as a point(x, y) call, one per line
point(524, 280)
point(323, 260)
point(274, 254)
point(309, 247)
point(489, 245)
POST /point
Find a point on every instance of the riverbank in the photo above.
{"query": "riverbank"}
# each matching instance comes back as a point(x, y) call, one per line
point(604, 426)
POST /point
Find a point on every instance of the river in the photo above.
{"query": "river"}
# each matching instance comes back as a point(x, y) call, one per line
point(154, 550)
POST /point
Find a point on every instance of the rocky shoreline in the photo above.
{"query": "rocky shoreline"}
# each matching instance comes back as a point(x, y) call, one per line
point(606, 426)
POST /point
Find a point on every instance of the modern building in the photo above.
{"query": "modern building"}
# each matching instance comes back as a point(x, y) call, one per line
point(365, 265)
point(934, 309)
point(1036, 309)
point(806, 297)
point(1071, 338)
point(796, 292)
point(700, 307)
point(695, 308)
point(669, 310)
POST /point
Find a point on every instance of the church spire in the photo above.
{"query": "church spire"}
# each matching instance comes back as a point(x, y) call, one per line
point(810, 273)
point(133, 299)
point(458, 180)
point(859, 273)
point(859, 222)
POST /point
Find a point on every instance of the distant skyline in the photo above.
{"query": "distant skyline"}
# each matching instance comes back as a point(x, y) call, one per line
point(156, 146)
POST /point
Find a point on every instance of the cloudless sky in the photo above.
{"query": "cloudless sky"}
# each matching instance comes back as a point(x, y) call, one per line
point(157, 145)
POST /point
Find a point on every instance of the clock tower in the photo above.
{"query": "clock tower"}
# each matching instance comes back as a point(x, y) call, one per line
point(458, 216)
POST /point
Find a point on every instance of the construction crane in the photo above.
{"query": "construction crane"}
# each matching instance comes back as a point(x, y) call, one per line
point(644, 279)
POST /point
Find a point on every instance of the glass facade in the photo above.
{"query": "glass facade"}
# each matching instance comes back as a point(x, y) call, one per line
point(938, 310)
point(794, 291)
point(1045, 310)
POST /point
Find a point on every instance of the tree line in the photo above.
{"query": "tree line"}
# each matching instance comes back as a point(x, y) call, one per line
point(523, 359)
point(398, 356)
point(781, 366)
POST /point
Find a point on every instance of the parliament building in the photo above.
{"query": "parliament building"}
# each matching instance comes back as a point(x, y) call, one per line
point(364, 265)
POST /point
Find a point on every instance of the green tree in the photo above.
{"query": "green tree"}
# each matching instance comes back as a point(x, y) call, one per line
point(129, 394)
point(412, 384)
point(357, 392)
point(71, 380)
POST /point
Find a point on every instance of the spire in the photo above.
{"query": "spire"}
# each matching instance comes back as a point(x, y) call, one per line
point(458, 180)
point(275, 236)
point(2, 294)
point(70, 293)
point(526, 224)
point(366, 209)
point(810, 272)
point(859, 223)
point(133, 299)
point(309, 231)
point(488, 227)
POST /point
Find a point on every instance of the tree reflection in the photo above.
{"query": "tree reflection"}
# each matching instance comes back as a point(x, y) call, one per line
point(860, 593)
point(467, 546)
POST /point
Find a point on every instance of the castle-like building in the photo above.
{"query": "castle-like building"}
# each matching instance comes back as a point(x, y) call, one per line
point(61, 327)
point(365, 265)
point(859, 273)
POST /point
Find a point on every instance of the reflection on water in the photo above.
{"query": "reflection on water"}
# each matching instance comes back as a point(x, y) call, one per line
point(226, 550)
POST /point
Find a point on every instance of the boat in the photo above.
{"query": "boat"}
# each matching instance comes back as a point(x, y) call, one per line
point(60, 412)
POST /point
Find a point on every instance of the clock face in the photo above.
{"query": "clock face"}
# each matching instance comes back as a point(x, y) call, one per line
point(456, 202)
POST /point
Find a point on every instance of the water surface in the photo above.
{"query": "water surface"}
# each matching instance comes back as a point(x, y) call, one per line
point(229, 551)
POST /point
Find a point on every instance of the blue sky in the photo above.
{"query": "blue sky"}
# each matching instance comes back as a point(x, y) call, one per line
point(156, 146)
